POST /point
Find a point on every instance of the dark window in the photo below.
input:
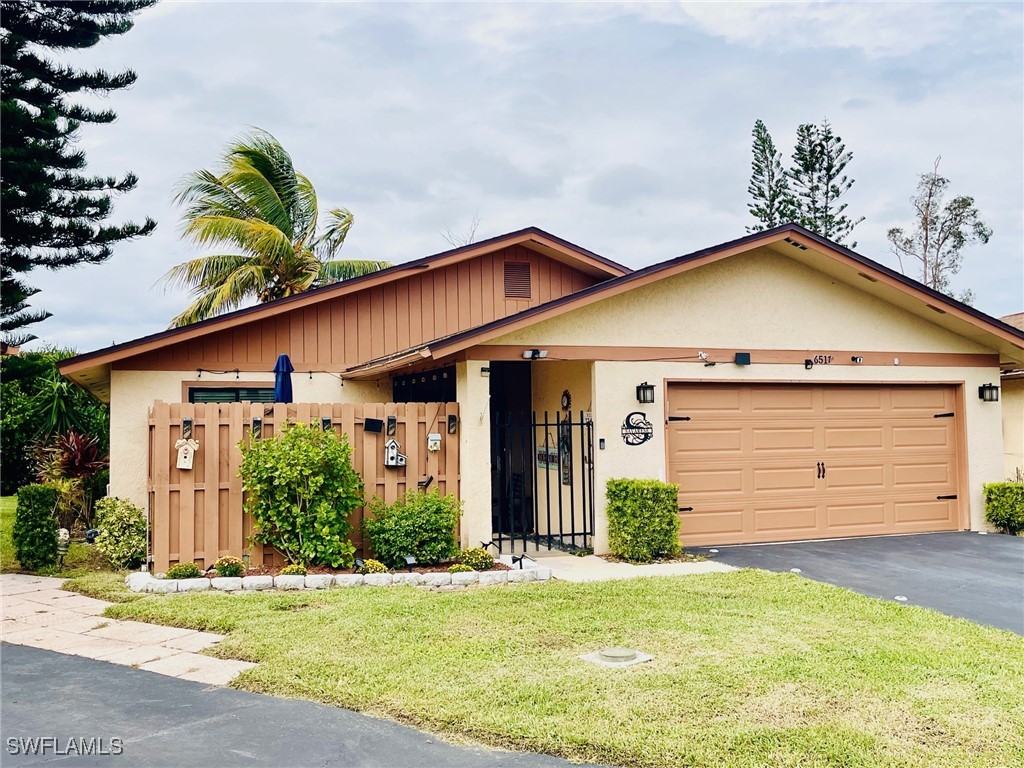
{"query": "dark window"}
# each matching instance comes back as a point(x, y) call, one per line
point(230, 394)
point(433, 386)
point(517, 280)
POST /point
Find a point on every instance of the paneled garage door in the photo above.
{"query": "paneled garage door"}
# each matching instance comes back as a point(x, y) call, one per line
point(782, 462)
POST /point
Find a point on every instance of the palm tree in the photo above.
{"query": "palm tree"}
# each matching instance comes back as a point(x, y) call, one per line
point(266, 213)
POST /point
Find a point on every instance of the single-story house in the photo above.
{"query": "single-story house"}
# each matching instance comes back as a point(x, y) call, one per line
point(792, 388)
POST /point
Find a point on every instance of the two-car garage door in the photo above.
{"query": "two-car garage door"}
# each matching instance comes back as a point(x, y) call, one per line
point(766, 462)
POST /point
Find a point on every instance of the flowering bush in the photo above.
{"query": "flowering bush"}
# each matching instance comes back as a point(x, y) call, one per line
point(229, 566)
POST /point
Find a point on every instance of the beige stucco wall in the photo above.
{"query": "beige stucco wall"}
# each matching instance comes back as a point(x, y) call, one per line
point(1012, 398)
point(133, 392)
point(749, 302)
point(759, 300)
point(474, 451)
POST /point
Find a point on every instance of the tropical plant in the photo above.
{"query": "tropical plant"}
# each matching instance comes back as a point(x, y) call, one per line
point(301, 488)
point(52, 214)
point(940, 233)
point(265, 212)
point(70, 463)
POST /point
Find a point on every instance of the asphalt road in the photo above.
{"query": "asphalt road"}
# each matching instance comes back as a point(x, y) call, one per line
point(163, 721)
point(973, 576)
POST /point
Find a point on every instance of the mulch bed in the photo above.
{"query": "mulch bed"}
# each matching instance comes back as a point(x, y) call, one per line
point(274, 570)
point(680, 558)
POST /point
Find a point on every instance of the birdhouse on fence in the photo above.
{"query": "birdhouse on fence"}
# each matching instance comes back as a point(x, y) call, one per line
point(186, 452)
point(392, 458)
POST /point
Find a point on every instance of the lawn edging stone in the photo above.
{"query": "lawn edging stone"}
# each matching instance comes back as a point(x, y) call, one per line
point(435, 581)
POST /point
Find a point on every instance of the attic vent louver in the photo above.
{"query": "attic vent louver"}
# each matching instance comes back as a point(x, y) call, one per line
point(517, 280)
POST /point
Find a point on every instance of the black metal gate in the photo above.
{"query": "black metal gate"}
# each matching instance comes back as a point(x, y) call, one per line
point(542, 481)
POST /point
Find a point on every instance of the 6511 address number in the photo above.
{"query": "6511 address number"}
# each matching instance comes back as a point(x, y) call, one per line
point(823, 359)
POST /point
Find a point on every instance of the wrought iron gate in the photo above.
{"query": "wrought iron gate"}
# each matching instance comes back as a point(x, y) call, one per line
point(542, 481)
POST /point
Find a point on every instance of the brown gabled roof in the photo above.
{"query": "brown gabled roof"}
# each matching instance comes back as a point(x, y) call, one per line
point(532, 237)
point(800, 238)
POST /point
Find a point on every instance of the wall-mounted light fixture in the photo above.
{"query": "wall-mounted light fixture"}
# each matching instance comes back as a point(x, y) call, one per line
point(534, 354)
point(645, 393)
point(989, 393)
point(808, 364)
point(857, 359)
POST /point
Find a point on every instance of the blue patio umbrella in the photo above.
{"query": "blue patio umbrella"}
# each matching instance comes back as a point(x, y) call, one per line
point(283, 379)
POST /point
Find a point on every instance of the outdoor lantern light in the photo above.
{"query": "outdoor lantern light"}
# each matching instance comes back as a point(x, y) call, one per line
point(989, 393)
point(645, 393)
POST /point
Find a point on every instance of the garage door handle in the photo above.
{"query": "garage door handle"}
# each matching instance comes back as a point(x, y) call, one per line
point(951, 496)
point(821, 469)
point(686, 509)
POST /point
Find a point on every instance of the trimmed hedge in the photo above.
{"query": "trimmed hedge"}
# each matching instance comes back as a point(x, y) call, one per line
point(643, 519)
point(418, 524)
point(35, 526)
point(1004, 506)
point(122, 537)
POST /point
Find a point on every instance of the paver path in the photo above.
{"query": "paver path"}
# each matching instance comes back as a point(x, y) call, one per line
point(38, 613)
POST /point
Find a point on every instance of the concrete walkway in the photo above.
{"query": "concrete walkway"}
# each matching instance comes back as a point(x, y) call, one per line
point(38, 613)
point(593, 568)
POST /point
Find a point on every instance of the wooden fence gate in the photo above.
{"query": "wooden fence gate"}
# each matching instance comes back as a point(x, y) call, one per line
point(198, 515)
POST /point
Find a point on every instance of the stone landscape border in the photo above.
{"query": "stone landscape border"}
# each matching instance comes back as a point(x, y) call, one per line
point(145, 582)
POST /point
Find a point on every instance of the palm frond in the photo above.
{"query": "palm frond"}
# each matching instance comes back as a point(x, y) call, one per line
point(346, 269)
point(256, 236)
point(202, 272)
point(242, 285)
point(338, 223)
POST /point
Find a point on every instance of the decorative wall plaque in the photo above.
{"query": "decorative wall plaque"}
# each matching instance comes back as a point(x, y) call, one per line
point(636, 429)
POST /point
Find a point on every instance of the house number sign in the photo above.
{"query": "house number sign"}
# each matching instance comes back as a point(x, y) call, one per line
point(636, 429)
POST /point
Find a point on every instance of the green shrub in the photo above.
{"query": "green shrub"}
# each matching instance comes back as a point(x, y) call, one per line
point(122, 537)
point(372, 566)
point(418, 524)
point(1004, 506)
point(293, 570)
point(459, 568)
point(35, 526)
point(184, 571)
point(301, 488)
point(643, 519)
point(477, 558)
point(229, 565)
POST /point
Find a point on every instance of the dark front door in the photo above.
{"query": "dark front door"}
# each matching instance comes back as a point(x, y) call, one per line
point(511, 493)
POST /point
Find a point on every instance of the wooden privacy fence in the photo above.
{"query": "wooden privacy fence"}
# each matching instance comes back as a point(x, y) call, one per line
point(197, 515)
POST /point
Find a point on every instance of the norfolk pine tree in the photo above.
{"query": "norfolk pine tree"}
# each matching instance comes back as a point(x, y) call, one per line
point(940, 234)
point(772, 200)
point(51, 214)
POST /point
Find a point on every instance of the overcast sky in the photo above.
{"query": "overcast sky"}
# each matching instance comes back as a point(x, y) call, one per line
point(624, 128)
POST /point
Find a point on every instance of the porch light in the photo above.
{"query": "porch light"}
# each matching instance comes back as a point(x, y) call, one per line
point(989, 393)
point(645, 393)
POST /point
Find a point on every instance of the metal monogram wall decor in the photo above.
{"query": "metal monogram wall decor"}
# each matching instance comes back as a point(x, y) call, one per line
point(636, 429)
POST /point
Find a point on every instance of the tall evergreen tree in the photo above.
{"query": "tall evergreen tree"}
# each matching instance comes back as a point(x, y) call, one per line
point(52, 214)
point(772, 200)
point(817, 178)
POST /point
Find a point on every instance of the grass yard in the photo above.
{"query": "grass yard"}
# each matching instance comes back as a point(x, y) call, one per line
point(81, 560)
point(750, 668)
point(8, 507)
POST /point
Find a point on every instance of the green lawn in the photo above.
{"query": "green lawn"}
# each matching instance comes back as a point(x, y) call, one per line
point(81, 559)
point(8, 562)
point(750, 668)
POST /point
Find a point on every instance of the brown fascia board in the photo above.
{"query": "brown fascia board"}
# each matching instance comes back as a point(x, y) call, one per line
point(345, 287)
point(456, 342)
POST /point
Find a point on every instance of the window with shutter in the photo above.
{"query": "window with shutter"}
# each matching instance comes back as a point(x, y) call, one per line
point(230, 394)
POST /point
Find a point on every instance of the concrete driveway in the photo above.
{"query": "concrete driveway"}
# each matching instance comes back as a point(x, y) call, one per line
point(973, 576)
point(166, 721)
